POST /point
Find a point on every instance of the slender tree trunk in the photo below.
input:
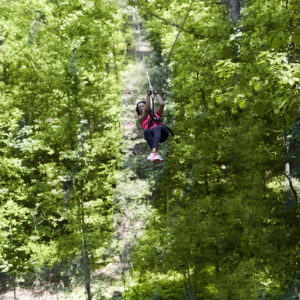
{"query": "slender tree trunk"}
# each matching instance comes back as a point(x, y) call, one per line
point(84, 250)
point(185, 286)
point(188, 284)
point(288, 172)
point(87, 270)
point(235, 10)
point(85, 256)
point(235, 16)
point(191, 291)
point(80, 209)
point(195, 280)
point(15, 288)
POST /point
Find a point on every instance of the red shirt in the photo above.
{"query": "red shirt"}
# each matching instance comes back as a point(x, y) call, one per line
point(154, 124)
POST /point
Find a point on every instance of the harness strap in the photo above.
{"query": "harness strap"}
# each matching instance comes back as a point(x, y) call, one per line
point(170, 130)
point(153, 117)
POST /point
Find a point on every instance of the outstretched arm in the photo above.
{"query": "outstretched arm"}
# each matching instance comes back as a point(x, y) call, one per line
point(146, 111)
point(160, 100)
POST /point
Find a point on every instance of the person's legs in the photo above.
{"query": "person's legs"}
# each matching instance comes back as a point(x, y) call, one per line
point(148, 134)
point(161, 134)
point(157, 136)
point(153, 137)
point(164, 134)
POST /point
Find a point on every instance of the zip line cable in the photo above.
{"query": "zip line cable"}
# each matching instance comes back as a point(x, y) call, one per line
point(181, 29)
point(145, 63)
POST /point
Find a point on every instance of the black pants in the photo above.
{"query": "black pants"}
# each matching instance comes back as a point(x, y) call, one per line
point(158, 134)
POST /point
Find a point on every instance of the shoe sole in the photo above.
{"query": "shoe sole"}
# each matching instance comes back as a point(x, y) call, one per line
point(157, 161)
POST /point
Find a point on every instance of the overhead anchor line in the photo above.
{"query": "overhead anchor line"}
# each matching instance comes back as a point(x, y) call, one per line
point(181, 29)
point(145, 63)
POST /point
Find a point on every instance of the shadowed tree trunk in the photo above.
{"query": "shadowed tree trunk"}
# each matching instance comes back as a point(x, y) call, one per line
point(87, 270)
point(235, 10)
point(235, 16)
point(288, 172)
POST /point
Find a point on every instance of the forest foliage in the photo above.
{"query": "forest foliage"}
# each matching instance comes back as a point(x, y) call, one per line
point(60, 134)
point(226, 220)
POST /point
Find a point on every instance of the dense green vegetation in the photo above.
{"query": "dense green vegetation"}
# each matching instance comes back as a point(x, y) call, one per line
point(223, 216)
point(226, 220)
point(60, 135)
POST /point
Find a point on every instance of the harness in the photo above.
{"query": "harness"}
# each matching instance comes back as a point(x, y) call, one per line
point(155, 118)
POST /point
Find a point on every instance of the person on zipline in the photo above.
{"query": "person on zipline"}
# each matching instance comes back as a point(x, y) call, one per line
point(154, 130)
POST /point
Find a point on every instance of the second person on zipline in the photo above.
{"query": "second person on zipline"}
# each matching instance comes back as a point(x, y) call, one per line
point(154, 130)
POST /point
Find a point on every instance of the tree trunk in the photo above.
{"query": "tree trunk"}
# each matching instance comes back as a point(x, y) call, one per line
point(189, 289)
point(235, 16)
point(15, 292)
point(87, 271)
point(288, 172)
point(85, 256)
point(235, 10)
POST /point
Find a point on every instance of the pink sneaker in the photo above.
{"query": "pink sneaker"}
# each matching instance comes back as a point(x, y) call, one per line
point(150, 156)
point(157, 158)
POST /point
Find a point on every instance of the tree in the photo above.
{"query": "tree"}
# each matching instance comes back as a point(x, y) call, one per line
point(60, 135)
point(225, 170)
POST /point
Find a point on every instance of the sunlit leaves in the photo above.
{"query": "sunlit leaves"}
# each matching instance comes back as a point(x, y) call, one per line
point(59, 134)
point(236, 93)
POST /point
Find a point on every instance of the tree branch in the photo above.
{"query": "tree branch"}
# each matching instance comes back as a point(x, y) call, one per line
point(167, 22)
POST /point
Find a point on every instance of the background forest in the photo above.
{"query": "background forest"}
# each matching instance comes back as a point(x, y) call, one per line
point(82, 213)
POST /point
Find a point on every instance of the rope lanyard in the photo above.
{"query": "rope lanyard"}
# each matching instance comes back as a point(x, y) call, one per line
point(165, 64)
point(150, 88)
point(144, 61)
